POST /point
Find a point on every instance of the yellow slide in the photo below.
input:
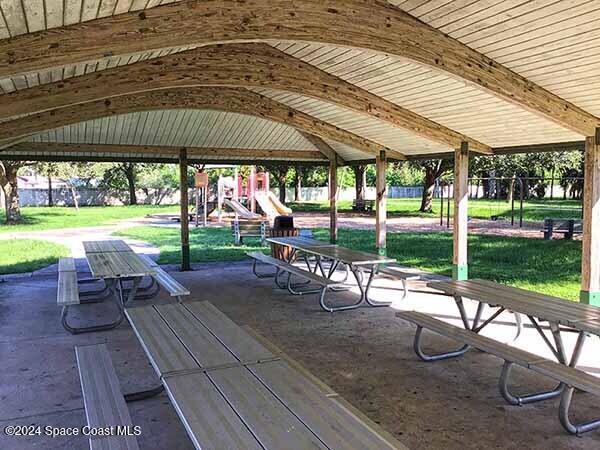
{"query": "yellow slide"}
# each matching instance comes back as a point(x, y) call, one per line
point(271, 205)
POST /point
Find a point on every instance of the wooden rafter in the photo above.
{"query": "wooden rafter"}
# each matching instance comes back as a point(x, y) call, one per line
point(324, 148)
point(33, 148)
point(224, 99)
point(232, 65)
point(369, 24)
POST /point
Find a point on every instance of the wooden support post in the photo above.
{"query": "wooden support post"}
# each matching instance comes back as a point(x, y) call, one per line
point(460, 270)
point(590, 252)
point(333, 194)
point(380, 208)
point(185, 226)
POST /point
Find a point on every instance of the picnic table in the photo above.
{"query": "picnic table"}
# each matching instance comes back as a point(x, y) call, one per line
point(354, 260)
point(115, 262)
point(233, 389)
point(562, 316)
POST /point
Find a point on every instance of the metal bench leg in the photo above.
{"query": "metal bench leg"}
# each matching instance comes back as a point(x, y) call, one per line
point(261, 275)
point(142, 395)
point(365, 292)
point(563, 415)
point(437, 356)
point(517, 400)
point(519, 323)
point(93, 328)
point(291, 287)
point(336, 308)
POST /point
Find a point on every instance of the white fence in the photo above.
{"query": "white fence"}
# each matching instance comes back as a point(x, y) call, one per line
point(169, 196)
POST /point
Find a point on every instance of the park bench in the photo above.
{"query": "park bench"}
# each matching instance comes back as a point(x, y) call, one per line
point(569, 378)
point(168, 283)
point(323, 283)
point(568, 227)
point(232, 389)
point(68, 295)
point(103, 400)
point(363, 205)
point(249, 228)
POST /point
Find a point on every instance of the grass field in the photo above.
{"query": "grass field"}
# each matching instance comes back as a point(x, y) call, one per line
point(27, 255)
point(533, 210)
point(550, 267)
point(44, 218)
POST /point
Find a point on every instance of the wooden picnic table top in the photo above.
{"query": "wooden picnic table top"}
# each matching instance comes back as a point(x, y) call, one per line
point(543, 307)
point(349, 256)
point(299, 242)
point(224, 382)
point(117, 264)
point(116, 245)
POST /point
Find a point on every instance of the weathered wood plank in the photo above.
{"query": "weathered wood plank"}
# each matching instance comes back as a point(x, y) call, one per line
point(237, 340)
point(208, 419)
point(164, 350)
point(68, 291)
point(104, 402)
point(268, 419)
point(206, 349)
point(334, 425)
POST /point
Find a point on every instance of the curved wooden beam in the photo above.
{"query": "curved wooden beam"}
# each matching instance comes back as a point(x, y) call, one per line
point(233, 65)
point(224, 99)
point(28, 150)
point(369, 24)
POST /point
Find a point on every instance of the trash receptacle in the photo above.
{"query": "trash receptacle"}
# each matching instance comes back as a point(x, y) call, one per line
point(283, 226)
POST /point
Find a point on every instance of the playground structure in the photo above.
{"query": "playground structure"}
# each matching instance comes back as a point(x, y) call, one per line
point(243, 199)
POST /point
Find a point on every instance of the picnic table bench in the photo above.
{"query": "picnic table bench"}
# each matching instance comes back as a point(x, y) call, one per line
point(113, 263)
point(249, 228)
point(568, 227)
point(103, 401)
point(561, 315)
point(363, 205)
point(285, 267)
point(232, 389)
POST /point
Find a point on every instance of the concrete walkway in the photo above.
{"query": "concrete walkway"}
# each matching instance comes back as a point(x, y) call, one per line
point(365, 355)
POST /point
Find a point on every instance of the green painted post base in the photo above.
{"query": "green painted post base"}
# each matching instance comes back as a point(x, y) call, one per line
point(460, 272)
point(589, 298)
point(382, 251)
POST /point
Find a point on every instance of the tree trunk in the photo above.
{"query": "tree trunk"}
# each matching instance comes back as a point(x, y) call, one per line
point(8, 182)
point(130, 174)
point(281, 181)
point(298, 184)
point(360, 176)
point(50, 201)
point(552, 173)
point(428, 186)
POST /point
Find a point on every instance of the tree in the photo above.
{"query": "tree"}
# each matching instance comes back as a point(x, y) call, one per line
point(298, 184)
point(360, 181)
point(9, 185)
point(49, 170)
point(434, 169)
point(123, 175)
point(280, 172)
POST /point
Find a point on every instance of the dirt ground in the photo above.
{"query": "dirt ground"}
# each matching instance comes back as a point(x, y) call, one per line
point(365, 355)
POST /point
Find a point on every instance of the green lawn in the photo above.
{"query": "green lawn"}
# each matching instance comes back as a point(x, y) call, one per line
point(44, 218)
point(206, 244)
point(27, 255)
point(533, 210)
point(550, 267)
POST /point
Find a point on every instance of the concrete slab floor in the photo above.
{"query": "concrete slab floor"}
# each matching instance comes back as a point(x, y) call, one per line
point(365, 355)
